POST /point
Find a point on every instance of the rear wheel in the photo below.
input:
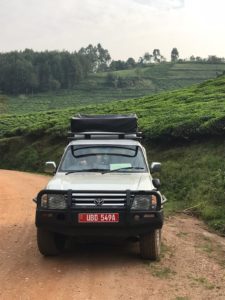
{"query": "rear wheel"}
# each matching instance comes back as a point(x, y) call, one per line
point(50, 243)
point(150, 245)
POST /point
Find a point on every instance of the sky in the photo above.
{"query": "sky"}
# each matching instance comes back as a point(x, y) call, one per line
point(127, 28)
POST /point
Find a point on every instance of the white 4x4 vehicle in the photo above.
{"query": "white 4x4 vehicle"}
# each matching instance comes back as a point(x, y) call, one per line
point(102, 187)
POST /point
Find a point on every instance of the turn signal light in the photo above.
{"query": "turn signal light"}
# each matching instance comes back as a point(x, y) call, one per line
point(154, 200)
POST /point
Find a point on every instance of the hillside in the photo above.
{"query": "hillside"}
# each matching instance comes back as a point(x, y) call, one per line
point(183, 114)
point(102, 87)
point(183, 129)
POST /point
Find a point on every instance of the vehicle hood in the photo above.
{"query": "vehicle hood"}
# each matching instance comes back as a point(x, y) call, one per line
point(98, 181)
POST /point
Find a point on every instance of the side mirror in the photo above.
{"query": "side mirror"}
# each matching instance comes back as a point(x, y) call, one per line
point(155, 167)
point(50, 167)
point(156, 182)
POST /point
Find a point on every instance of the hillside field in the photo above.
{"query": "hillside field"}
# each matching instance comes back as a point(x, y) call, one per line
point(134, 83)
point(184, 114)
point(183, 129)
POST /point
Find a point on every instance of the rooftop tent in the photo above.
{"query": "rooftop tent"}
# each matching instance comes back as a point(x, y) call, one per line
point(104, 123)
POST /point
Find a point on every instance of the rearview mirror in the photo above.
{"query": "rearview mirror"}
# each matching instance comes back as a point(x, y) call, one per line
point(155, 167)
point(50, 167)
point(156, 182)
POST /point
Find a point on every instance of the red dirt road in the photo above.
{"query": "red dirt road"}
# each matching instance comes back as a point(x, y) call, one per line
point(192, 264)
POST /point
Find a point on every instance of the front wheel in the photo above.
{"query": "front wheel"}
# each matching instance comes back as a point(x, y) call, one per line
point(50, 243)
point(150, 245)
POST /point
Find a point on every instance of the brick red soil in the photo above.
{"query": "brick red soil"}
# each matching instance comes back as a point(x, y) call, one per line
point(192, 265)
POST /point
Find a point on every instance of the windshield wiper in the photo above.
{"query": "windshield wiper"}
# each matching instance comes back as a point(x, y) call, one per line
point(85, 170)
point(124, 168)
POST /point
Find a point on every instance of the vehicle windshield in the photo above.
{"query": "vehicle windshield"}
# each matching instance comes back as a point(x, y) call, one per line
point(103, 158)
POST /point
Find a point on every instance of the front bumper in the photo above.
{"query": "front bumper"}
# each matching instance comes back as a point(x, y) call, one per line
point(131, 223)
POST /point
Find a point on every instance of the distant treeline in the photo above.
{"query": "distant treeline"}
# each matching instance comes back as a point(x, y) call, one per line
point(28, 71)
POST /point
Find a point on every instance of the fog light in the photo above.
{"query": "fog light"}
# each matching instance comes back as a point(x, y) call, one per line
point(47, 215)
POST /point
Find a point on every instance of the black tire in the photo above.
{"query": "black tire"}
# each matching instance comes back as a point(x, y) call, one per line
point(150, 245)
point(50, 243)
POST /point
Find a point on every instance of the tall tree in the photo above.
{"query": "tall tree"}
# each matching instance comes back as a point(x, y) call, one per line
point(174, 55)
point(156, 55)
point(98, 58)
point(147, 57)
point(103, 58)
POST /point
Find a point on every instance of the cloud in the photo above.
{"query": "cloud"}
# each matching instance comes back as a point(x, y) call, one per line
point(162, 4)
point(125, 28)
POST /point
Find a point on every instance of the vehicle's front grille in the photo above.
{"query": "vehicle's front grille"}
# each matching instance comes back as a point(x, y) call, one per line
point(99, 200)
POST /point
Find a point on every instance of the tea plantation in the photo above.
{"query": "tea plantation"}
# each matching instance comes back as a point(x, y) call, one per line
point(184, 129)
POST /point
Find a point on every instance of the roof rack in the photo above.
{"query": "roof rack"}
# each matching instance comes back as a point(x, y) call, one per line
point(104, 135)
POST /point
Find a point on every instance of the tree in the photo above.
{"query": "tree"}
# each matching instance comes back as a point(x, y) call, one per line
point(156, 55)
point(174, 55)
point(29, 71)
point(98, 58)
point(147, 58)
point(117, 65)
point(130, 63)
point(17, 75)
point(199, 59)
point(214, 59)
point(103, 58)
point(141, 61)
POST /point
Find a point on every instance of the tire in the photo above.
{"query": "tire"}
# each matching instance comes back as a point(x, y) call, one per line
point(50, 243)
point(150, 245)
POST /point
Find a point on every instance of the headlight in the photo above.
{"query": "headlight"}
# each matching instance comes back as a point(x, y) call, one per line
point(53, 201)
point(144, 202)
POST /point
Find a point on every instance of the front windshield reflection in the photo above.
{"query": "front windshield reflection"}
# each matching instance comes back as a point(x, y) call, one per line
point(103, 158)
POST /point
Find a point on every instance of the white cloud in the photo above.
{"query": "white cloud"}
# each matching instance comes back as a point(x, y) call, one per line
point(162, 4)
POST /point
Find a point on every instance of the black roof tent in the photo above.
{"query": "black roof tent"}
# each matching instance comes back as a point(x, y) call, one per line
point(90, 126)
point(104, 123)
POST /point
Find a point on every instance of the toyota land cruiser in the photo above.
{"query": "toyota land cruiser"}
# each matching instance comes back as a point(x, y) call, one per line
point(102, 187)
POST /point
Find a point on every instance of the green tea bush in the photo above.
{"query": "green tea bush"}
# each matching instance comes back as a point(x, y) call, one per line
point(184, 129)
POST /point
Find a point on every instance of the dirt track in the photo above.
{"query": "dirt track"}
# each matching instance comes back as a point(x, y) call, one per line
point(192, 264)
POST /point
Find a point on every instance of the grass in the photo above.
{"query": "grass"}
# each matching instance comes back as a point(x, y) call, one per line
point(212, 248)
point(64, 99)
point(203, 282)
point(192, 176)
point(157, 269)
point(138, 82)
point(206, 245)
point(162, 272)
point(182, 234)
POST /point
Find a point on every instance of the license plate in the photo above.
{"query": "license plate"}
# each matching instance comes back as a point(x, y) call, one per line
point(98, 218)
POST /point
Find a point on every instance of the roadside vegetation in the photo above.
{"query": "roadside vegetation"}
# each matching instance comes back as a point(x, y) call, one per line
point(183, 129)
